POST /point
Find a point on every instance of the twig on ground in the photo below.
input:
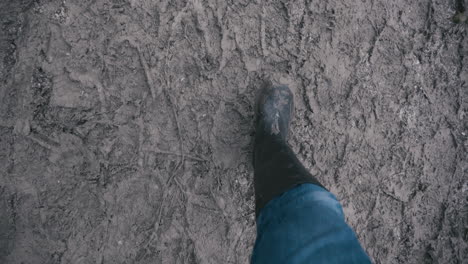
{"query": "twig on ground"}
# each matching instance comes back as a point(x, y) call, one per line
point(156, 224)
point(149, 79)
point(188, 156)
point(179, 132)
point(391, 196)
point(141, 155)
point(182, 188)
point(169, 180)
point(44, 141)
point(181, 152)
point(2, 125)
point(234, 247)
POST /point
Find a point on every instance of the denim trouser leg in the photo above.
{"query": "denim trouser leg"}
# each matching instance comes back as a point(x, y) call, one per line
point(305, 225)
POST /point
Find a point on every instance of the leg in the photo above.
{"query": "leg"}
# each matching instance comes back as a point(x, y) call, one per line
point(277, 168)
point(298, 221)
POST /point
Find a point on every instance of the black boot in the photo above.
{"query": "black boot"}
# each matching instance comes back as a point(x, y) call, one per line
point(276, 167)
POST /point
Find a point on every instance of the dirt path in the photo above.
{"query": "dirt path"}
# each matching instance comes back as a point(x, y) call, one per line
point(126, 126)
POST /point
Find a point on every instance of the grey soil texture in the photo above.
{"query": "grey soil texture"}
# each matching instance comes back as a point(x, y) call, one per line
point(126, 126)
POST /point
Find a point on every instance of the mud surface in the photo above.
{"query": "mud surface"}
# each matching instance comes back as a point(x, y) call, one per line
point(126, 126)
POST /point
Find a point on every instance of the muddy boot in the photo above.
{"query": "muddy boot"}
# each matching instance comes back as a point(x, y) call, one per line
point(276, 167)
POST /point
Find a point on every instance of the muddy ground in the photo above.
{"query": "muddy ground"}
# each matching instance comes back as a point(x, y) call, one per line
point(126, 126)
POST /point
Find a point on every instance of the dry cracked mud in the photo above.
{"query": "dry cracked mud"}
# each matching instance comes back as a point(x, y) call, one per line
point(126, 126)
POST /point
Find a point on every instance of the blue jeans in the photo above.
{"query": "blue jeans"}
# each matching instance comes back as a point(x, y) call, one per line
point(305, 225)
